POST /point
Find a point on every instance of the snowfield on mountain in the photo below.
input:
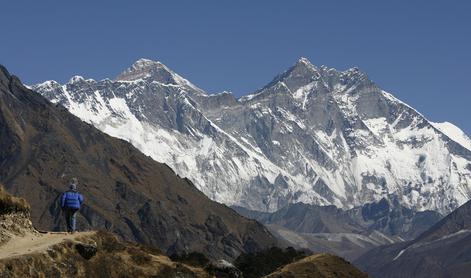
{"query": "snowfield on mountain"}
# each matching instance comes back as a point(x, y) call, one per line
point(314, 135)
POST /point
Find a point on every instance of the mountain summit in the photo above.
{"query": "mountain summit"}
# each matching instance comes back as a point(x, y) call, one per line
point(149, 70)
point(314, 134)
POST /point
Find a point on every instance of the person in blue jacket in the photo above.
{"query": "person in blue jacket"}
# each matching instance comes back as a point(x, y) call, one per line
point(71, 201)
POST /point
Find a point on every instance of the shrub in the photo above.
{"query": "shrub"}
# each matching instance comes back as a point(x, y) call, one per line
point(265, 262)
point(194, 259)
point(138, 256)
point(11, 204)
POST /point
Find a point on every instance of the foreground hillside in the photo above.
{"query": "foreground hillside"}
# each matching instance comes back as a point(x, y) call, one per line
point(321, 265)
point(95, 255)
point(25, 252)
point(42, 146)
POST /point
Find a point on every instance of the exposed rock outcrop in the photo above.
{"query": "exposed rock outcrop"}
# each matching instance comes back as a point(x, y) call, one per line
point(14, 217)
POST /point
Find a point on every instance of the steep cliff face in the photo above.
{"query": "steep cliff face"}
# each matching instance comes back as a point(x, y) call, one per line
point(314, 135)
point(42, 146)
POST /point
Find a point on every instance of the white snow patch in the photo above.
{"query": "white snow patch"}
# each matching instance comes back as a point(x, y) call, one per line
point(454, 133)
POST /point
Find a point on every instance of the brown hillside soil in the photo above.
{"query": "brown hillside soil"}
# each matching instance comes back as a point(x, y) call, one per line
point(14, 217)
point(320, 265)
point(35, 243)
point(59, 255)
point(26, 252)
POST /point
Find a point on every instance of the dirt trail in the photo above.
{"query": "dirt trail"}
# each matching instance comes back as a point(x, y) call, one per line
point(35, 242)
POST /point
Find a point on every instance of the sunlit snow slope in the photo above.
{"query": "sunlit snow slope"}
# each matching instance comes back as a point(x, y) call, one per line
point(313, 135)
point(455, 133)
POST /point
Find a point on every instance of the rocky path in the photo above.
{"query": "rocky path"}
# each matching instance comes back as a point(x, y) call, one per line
point(35, 242)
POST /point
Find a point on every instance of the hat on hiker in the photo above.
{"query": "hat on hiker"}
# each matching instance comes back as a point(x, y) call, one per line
point(73, 183)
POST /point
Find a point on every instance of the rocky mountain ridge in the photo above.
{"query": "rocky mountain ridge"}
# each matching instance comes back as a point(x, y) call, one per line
point(314, 135)
point(444, 250)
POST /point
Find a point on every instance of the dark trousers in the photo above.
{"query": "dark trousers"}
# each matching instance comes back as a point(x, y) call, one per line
point(70, 215)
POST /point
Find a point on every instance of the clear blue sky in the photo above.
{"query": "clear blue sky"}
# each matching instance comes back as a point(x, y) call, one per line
point(418, 50)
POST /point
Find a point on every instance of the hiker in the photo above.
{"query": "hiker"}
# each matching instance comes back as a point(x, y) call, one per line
point(71, 201)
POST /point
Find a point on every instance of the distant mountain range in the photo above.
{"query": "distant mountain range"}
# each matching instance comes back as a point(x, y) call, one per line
point(314, 135)
point(347, 233)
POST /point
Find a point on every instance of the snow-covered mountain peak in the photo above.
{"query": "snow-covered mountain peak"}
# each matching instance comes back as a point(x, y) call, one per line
point(145, 65)
point(305, 67)
point(305, 62)
point(301, 74)
point(145, 69)
point(155, 71)
point(355, 72)
point(304, 80)
point(76, 79)
point(49, 84)
point(306, 76)
point(222, 93)
point(143, 62)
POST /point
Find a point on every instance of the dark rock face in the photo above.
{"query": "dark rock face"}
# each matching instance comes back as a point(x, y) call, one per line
point(390, 218)
point(42, 146)
point(444, 250)
point(87, 251)
point(458, 220)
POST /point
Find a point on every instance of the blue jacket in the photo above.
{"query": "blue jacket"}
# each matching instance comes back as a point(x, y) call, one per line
point(71, 199)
